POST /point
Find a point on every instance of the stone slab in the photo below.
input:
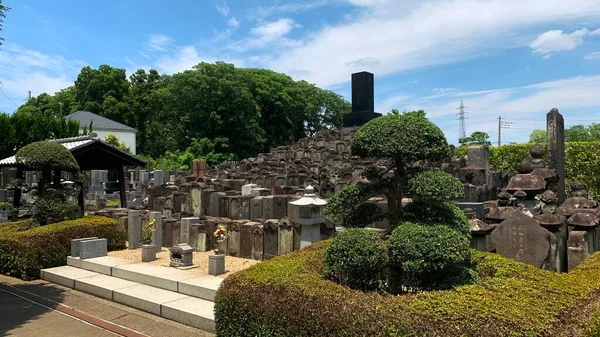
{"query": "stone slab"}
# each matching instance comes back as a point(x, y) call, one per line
point(522, 239)
point(102, 285)
point(93, 248)
point(156, 276)
point(204, 287)
point(65, 275)
point(145, 298)
point(75, 245)
point(191, 311)
point(102, 265)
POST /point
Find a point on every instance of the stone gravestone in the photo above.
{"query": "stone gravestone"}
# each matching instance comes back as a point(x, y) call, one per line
point(134, 229)
point(159, 178)
point(158, 229)
point(270, 239)
point(521, 238)
point(285, 236)
point(246, 239)
point(555, 140)
point(186, 223)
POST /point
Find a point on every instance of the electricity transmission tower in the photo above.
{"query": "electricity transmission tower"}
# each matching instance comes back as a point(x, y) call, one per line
point(462, 131)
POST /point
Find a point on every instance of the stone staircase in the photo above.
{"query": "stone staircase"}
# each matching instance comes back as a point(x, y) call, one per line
point(167, 292)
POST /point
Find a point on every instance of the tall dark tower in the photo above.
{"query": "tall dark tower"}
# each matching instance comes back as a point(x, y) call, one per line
point(363, 100)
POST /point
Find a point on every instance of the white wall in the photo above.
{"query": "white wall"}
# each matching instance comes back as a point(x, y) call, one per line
point(126, 137)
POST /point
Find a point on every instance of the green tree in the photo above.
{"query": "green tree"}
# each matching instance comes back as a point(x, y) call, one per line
point(103, 91)
point(3, 10)
point(537, 136)
point(402, 139)
point(114, 141)
point(577, 133)
point(476, 138)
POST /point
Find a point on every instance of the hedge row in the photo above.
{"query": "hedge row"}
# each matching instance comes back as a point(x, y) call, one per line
point(25, 247)
point(582, 161)
point(287, 296)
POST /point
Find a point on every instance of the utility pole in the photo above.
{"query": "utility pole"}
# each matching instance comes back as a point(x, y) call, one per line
point(29, 95)
point(502, 125)
point(462, 131)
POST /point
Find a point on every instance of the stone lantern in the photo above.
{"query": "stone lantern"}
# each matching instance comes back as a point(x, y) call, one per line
point(306, 214)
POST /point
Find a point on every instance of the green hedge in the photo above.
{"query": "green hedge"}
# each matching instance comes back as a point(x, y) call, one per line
point(25, 247)
point(286, 296)
point(582, 161)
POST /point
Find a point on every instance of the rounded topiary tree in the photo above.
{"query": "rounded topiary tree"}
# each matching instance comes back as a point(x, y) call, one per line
point(46, 157)
point(358, 259)
point(402, 139)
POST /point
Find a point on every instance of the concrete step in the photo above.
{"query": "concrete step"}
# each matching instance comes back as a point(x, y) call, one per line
point(171, 305)
point(204, 287)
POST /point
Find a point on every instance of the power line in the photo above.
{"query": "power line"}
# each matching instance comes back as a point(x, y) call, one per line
point(462, 131)
point(7, 95)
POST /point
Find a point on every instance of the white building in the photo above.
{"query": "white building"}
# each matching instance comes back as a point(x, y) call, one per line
point(103, 127)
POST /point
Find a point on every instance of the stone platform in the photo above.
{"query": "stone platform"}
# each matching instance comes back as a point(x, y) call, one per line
point(173, 294)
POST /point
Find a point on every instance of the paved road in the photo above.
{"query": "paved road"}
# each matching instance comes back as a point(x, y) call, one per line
point(22, 317)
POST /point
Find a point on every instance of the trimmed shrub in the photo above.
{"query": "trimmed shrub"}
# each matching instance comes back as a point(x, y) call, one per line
point(443, 213)
point(24, 252)
point(357, 258)
point(349, 207)
point(51, 210)
point(436, 186)
point(427, 257)
point(287, 296)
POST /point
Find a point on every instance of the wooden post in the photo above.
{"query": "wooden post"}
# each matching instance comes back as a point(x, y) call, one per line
point(122, 189)
point(80, 201)
point(56, 179)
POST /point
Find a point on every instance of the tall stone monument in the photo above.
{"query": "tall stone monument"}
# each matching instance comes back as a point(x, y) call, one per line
point(363, 99)
point(555, 140)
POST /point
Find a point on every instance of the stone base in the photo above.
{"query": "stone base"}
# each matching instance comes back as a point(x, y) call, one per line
point(216, 264)
point(148, 253)
point(188, 267)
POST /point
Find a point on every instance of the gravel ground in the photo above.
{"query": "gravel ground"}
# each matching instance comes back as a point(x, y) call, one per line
point(232, 264)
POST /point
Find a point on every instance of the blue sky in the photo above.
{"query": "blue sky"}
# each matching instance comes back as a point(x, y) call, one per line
point(511, 58)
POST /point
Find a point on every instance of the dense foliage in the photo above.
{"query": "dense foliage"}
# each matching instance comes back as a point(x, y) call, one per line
point(54, 207)
point(403, 139)
point(575, 133)
point(445, 213)
point(358, 258)
point(22, 128)
point(231, 112)
point(582, 161)
point(436, 186)
point(26, 247)
point(288, 296)
point(428, 257)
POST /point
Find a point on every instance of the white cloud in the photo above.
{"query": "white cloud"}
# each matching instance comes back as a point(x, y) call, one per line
point(223, 8)
point(159, 42)
point(269, 33)
point(23, 70)
point(262, 12)
point(273, 30)
point(555, 41)
point(173, 58)
point(405, 35)
point(524, 106)
point(592, 56)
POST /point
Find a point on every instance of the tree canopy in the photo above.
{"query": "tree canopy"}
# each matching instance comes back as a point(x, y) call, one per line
point(575, 133)
point(241, 112)
point(476, 138)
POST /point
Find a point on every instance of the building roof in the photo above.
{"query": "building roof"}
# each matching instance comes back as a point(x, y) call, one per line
point(99, 122)
point(91, 153)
